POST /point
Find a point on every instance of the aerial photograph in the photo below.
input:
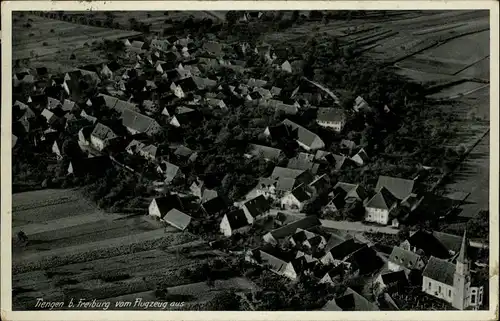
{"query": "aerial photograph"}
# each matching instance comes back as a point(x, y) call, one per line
point(250, 160)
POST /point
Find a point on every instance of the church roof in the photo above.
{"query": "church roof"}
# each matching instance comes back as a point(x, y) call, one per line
point(440, 270)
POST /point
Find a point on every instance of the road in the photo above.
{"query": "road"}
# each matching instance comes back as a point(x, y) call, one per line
point(344, 225)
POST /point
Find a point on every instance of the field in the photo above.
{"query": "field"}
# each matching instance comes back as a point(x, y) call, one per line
point(76, 250)
point(50, 43)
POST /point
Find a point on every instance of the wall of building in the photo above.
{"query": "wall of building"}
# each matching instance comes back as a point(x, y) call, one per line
point(153, 209)
point(438, 289)
point(376, 215)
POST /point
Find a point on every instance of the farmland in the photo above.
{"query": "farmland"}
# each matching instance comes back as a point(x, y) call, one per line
point(76, 250)
point(51, 43)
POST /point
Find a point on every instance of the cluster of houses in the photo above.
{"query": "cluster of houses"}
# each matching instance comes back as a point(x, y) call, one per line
point(174, 96)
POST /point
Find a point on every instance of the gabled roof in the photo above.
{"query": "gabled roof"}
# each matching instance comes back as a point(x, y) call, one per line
point(95, 165)
point(330, 115)
point(183, 151)
point(404, 258)
point(282, 172)
point(398, 277)
point(279, 131)
point(177, 219)
point(360, 104)
point(303, 162)
point(276, 264)
point(300, 193)
point(213, 47)
point(383, 199)
point(167, 203)
point(257, 206)
point(137, 121)
point(252, 82)
point(305, 136)
point(399, 187)
point(52, 103)
point(450, 241)
point(170, 170)
point(428, 243)
point(333, 241)
point(264, 151)
point(346, 248)
point(440, 270)
point(350, 301)
point(103, 132)
point(237, 219)
point(289, 229)
point(215, 205)
point(68, 105)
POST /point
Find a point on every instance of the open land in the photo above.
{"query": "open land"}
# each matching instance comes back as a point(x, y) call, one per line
point(82, 243)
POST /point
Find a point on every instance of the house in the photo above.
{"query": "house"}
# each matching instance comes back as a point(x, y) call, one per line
point(275, 91)
point(305, 138)
point(286, 66)
point(398, 187)
point(92, 165)
point(256, 208)
point(212, 206)
point(452, 282)
point(403, 260)
point(361, 105)
point(134, 147)
point(303, 238)
point(335, 204)
point(69, 106)
point(334, 275)
point(216, 103)
point(137, 123)
point(269, 258)
point(360, 158)
point(296, 199)
point(303, 161)
point(254, 96)
point(365, 261)
point(264, 152)
point(47, 114)
point(183, 115)
point(287, 109)
point(160, 44)
point(426, 242)
point(391, 282)
point(331, 118)
point(53, 103)
point(341, 252)
point(183, 152)
point(347, 144)
point(350, 301)
point(380, 206)
point(102, 136)
point(351, 192)
point(56, 149)
point(160, 206)
point(88, 117)
point(207, 63)
point(177, 219)
point(282, 232)
point(266, 51)
point(170, 171)
point(256, 83)
point(264, 93)
point(234, 222)
point(14, 140)
point(149, 152)
point(212, 48)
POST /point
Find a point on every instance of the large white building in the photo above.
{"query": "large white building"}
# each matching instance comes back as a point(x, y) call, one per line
point(452, 281)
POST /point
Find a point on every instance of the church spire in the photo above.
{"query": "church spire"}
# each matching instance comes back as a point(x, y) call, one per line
point(462, 256)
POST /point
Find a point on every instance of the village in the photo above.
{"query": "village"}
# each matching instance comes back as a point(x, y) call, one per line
point(270, 174)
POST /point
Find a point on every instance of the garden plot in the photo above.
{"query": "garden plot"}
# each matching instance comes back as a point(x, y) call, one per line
point(458, 90)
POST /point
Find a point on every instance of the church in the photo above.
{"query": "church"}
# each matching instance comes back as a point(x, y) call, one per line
point(452, 282)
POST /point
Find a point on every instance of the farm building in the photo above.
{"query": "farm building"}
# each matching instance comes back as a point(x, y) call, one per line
point(177, 219)
point(234, 222)
point(160, 206)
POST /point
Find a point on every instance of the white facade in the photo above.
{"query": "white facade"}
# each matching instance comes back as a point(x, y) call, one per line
point(438, 289)
point(175, 122)
point(153, 209)
point(290, 202)
point(335, 125)
point(377, 215)
point(98, 143)
point(225, 228)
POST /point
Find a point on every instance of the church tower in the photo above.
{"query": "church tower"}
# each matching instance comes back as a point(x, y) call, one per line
point(461, 278)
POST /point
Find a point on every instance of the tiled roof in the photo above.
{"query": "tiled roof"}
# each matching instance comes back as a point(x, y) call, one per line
point(305, 136)
point(177, 219)
point(428, 243)
point(237, 219)
point(214, 205)
point(399, 187)
point(289, 229)
point(330, 115)
point(404, 258)
point(264, 151)
point(257, 206)
point(167, 203)
point(384, 199)
point(346, 248)
point(440, 270)
point(282, 172)
point(351, 301)
point(398, 277)
point(137, 121)
point(103, 132)
point(301, 194)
